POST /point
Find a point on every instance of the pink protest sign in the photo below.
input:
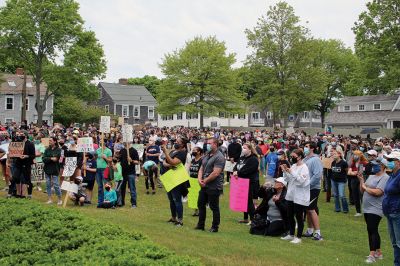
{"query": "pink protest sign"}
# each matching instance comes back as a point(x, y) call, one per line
point(238, 195)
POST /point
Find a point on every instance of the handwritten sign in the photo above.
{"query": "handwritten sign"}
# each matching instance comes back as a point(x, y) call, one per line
point(16, 149)
point(85, 145)
point(193, 195)
point(238, 194)
point(37, 172)
point(45, 142)
point(69, 166)
point(327, 162)
point(229, 166)
point(174, 177)
point(127, 133)
point(70, 187)
point(105, 124)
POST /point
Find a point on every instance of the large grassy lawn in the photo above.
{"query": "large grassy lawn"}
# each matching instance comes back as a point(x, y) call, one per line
point(345, 236)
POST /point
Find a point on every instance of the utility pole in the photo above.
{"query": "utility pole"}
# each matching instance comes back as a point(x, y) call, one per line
point(23, 110)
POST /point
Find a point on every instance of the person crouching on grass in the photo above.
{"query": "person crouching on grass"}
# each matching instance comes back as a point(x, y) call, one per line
point(110, 197)
point(150, 171)
point(80, 197)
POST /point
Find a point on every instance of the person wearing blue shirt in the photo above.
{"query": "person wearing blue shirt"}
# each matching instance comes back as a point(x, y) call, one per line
point(110, 198)
point(271, 161)
point(391, 203)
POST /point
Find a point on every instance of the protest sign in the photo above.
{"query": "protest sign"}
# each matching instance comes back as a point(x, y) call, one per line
point(193, 195)
point(69, 187)
point(120, 121)
point(327, 162)
point(139, 148)
point(174, 177)
point(105, 124)
point(229, 166)
point(69, 166)
point(127, 133)
point(16, 149)
point(85, 145)
point(37, 173)
point(45, 142)
point(239, 193)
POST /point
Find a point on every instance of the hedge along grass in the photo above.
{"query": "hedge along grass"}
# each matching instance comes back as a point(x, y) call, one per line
point(33, 234)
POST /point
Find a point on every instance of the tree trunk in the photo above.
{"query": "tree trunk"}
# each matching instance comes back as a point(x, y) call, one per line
point(39, 105)
point(23, 110)
point(322, 119)
point(201, 118)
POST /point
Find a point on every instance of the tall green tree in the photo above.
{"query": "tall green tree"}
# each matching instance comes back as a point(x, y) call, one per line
point(377, 44)
point(199, 79)
point(48, 39)
point(150, 82)
point(281, 67)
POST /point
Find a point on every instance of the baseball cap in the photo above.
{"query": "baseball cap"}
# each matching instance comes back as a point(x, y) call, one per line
point(281, 180)
point(372, 152)
point(382, 161)
point(354, 141)
point(79, 178)
point(395, 155)
point(281, 152)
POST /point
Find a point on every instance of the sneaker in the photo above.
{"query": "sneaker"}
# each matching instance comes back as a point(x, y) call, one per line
point(184, 199)
point(249, 223)
point(307, 234)
point(199, 228)
point(49, 202)
point(39, 188)
point(317, 237)
point(288, 237)
point(153, 193)
point(357, 214)
point(378, 257)
point(296, 241)
point(213, 230)
point(8, 196)
point(147, 192)
point(29, 197)
point(370, 259)
point(196, 213)
point(59, 202)
point(178, 223)
point(171, 221)
point(226, 183)
point(134, 206)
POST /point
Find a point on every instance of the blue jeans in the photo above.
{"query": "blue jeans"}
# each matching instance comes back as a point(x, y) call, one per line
point(132, 188)
point(338, 189)
point(100, 181)
point(262, 165)
point(394, 232)
point(52, 179)
point(175, 202)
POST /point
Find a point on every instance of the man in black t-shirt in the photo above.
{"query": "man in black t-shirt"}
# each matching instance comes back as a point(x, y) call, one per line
point(128, 164)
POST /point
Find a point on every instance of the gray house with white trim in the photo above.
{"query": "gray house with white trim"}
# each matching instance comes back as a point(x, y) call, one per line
point(369, 111)
point(132, 102)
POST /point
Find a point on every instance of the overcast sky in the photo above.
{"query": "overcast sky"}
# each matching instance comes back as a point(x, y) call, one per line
point(137, 33)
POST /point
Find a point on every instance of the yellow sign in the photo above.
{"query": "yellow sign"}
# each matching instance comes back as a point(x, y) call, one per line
point(174, 177)
point(193, 195)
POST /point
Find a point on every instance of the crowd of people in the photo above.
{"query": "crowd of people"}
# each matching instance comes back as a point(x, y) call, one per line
point(286, 174)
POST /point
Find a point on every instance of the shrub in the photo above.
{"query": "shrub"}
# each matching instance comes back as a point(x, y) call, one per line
point(33, 234)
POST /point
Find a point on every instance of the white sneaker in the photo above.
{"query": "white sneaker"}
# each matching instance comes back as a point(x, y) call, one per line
point(378, 257)
point(226, 183)
point(296, 241)
point(49, 202)
point(288, 237)
point(370, 259)
point(59, 202)
point(357, 214)
point(39, 188)
point(249, 223)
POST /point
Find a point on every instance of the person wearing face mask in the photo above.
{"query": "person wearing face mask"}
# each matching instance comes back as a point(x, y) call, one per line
point(22, 166)
point(379, 148)
point(39, 151)
point(173, 159)
point(195, 165)
point(51, 169)
point(282, 160)
point(234, 152)
point(211, 179)
point(352, 146)
point(110, 197)
point(298, 194)
point(391, 203)
point(271, 161)
point(247, 167)
point(371, 167)
point(372, 207)
point(339, 169)
point(357, 167)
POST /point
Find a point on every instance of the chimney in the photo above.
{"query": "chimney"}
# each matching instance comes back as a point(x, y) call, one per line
point(123, 81)
point(19, 71)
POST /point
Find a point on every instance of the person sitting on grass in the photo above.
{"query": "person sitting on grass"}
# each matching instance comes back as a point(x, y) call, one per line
point(150, 171)
point(80, 197)
point(110, 197)
point(117, 170)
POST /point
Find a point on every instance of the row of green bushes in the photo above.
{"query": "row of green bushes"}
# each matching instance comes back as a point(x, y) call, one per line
point(33, 234)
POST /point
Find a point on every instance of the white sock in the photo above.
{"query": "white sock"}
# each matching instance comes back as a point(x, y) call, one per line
point(318, 232)
point(310, 230)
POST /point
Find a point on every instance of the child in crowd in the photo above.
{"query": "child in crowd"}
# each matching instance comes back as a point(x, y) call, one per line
point(89, 170)
point(110, 197)
point(80, 197)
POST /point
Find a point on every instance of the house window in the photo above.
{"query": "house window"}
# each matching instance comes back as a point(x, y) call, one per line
point(221, 115)
point(346, 108)
point(125, 111)
point(107, 108)
point(306, 115)
point(255, 115)
point(151, 112)
point(136, 111)
point(29, 85)
point(27, 104)
point(232, 116)
point(179, 116)
point(269, 115)
point(377, 106)
point(9, 120)
point(170, 117)
point(361, 107)
point(195, 116)
point(11, 83)
point(9, 102)
point(188, 116)
point(241, 116)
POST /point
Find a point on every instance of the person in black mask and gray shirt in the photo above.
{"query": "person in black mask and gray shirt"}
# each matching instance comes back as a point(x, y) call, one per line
point(211, 178)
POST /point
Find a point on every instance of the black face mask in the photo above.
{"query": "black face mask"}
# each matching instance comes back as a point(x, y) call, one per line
point(20, 138)
point(177, 146)
point(61, 143)
point(293, 160)
point(194, 153)
point(108, 188)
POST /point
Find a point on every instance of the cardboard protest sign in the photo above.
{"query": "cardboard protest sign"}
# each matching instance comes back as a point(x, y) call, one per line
point(327, 162)
point(85, 145)
point(238, 194)
point(70, 187)
point(69, 166)
point(37, 172)
point(120, 121)
point(105, 122)
point(45, 142)
point(16, 149)
point(229, 166)
point(193, 195)
point(127, 133)
point(174, 177)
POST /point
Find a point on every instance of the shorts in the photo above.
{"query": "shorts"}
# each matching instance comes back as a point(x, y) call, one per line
point(314, 193)
point(89, 182)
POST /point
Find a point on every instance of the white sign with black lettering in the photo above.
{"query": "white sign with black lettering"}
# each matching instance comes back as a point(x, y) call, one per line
point(70, 187)
point(127, 133)
point(105, 122)
point(69, 166)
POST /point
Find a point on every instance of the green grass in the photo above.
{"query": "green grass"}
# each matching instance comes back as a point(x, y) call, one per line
point(345, 236)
